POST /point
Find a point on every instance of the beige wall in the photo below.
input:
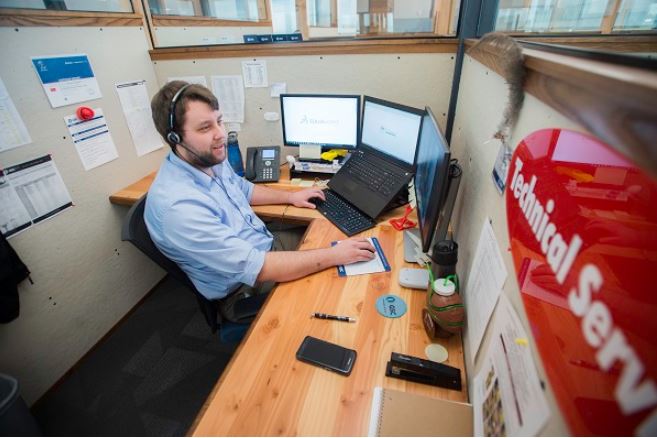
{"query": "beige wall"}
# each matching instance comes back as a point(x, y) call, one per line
point(482, 97)
point(411, 79)
point(85, 278)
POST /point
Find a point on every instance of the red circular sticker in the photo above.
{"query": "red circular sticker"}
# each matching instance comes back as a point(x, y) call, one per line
point(583, 228)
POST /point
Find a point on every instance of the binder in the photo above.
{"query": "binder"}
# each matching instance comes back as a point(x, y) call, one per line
point(396, 413)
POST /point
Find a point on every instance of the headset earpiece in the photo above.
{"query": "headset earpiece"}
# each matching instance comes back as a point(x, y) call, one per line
point(173, 138)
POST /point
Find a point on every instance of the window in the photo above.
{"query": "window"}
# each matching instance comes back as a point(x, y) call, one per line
point(239, 10)
point(560, 16)
point(375, 17)
point(70, 5)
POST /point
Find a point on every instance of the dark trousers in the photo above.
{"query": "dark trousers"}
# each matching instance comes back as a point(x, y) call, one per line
point(286, 238)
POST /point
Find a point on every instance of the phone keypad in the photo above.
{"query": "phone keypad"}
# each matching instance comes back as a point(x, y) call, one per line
point(267, 173)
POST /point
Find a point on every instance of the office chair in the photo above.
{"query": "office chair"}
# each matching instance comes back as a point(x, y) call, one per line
point(134, 231)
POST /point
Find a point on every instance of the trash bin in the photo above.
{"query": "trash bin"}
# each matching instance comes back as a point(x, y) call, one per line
point(15, 417)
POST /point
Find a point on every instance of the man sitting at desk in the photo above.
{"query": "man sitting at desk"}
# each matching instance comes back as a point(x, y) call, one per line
point(199, 214)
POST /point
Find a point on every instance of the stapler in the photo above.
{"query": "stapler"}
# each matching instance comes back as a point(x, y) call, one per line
point(415, 369)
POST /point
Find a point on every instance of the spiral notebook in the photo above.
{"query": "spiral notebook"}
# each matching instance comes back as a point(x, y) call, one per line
point(396, 413)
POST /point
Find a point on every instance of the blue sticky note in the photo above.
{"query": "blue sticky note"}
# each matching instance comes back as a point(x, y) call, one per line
point(391, 306)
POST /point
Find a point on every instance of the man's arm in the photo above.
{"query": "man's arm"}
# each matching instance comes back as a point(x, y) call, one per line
point(289, 265)
point(263, 195)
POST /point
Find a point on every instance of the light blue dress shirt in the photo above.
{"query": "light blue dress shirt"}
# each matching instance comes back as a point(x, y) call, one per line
point(207, 226)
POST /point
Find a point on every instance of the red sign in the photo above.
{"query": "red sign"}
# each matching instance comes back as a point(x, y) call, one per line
point(583, 227)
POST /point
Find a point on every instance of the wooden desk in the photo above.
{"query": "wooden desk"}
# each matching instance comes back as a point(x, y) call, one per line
point(266, 391)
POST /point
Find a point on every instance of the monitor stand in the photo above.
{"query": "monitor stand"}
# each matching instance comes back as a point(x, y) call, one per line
point(411, 244)
point(413, 278)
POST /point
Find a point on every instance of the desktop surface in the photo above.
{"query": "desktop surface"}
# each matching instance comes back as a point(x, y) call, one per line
point(265, 390)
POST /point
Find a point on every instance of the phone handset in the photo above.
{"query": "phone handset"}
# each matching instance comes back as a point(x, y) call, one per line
point(250, 172)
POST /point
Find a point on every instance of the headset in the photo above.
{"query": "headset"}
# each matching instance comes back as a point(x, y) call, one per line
point(173, 137)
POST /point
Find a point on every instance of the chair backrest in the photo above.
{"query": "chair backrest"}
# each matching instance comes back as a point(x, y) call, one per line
point(134, 231)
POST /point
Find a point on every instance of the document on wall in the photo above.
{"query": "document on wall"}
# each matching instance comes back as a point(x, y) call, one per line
point(92, 139)
point(13, 132)
point(255, 74)
point(230, 92)
point(508, 399)
point(31, 192)
point(483, 286)
point(200, 80)
point(67, 79)
point(137, 110)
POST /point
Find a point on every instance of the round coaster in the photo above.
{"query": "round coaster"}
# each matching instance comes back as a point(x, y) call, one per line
point(436, 352)
point(390, 306)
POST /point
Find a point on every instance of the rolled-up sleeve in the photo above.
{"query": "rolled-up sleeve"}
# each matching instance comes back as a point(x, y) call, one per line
point(210, 247)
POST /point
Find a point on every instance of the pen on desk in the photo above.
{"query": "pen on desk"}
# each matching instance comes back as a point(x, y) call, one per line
point(333, 317)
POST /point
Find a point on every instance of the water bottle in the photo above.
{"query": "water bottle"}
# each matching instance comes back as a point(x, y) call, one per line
point(234, 154)
point(443, 258)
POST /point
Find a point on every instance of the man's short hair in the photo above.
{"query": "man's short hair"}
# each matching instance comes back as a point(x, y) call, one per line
point(161, 105)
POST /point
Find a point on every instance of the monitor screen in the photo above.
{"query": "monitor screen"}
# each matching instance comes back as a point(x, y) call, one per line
point(391, 128)
point(431, 177)
point(326, 120)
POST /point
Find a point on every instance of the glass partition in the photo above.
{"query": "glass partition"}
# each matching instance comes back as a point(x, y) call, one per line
point(583, 16)
point(70, 5)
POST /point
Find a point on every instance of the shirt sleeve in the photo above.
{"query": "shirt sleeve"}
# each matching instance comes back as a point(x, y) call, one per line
point(199, 234)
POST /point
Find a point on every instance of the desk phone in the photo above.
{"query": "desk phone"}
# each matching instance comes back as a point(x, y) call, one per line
point(263, 164)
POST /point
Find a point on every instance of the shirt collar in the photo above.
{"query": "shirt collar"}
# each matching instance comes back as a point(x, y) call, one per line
point(199, 176)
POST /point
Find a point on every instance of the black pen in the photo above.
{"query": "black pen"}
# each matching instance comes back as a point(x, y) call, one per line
point(333, 317)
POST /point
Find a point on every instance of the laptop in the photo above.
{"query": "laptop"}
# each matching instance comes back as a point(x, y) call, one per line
point(382, 164)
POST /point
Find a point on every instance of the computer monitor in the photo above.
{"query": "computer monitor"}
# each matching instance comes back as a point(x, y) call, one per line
point(391, 128)
point(326, 120)
point(431, 177)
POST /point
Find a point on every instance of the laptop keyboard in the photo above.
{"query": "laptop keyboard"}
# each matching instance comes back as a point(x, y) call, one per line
point(342, 214)
point(376, 179)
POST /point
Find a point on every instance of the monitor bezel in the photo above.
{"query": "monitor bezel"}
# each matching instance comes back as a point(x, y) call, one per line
point(342, 96)
point(435, 201)
point(398, 106)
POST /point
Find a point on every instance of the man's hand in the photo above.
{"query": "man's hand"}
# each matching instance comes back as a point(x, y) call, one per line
point(352, 251)
point(302, 197)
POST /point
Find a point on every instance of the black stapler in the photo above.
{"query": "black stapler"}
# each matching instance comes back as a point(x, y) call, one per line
point(415, 369)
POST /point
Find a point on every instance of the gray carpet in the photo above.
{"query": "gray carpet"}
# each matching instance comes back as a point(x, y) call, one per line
point(149, 378)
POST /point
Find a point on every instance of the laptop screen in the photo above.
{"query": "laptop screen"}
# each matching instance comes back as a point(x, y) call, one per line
point(391, 130)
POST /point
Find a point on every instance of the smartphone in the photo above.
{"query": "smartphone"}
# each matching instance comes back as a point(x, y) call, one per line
point(326, 355)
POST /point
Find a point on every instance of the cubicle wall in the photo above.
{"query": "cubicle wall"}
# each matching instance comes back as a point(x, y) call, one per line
point(412, 79)
point(85, 278)
point(482, 97)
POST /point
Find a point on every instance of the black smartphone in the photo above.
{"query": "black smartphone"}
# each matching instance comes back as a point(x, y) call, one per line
point(326, 355)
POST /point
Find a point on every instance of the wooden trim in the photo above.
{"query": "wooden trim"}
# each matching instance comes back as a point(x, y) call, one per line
point(302, 18)
point(334, 13)
point(39, 17)
point(442, 16)
point(307, 48)
point(616, 43)
point(138, 7)
point(608, 20)
point(181, 21)
point(615, 103)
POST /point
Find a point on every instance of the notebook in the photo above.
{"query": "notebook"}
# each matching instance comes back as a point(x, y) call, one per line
point(384, 161)
point(396, 413)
